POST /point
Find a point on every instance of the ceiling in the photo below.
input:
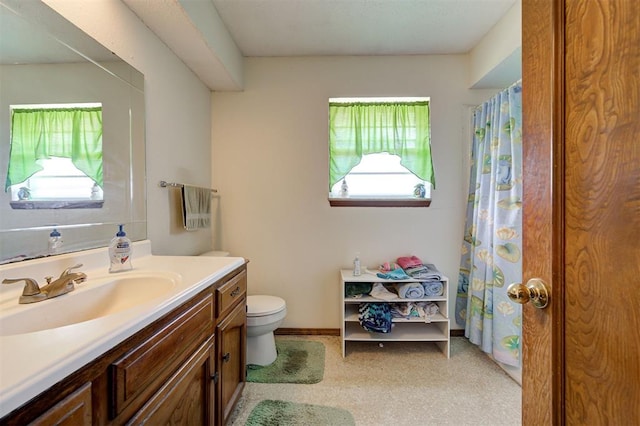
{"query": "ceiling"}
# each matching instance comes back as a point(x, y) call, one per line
point(210, 34)
point(358, 27)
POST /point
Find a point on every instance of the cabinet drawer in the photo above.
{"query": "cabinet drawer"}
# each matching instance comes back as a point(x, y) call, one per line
point(141, 371)
point(230, 292)
point(74, 410)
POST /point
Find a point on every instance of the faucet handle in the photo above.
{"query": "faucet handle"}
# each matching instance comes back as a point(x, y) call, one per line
point(31, 287)
point(66, 271)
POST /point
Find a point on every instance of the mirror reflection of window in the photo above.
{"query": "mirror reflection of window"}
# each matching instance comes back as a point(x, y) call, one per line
point(56, 156)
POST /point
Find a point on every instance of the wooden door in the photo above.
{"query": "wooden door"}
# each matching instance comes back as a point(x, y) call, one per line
point(581, 128)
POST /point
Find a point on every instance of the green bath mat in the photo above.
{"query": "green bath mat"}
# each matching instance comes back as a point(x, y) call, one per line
point(298, 361)
point(283, 413)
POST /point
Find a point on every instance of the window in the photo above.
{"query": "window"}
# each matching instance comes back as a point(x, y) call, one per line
point(380, 152)
point(56, 156)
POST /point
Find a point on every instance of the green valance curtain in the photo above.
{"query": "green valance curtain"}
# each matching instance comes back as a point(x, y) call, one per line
point(36, 134)
point(398, 128)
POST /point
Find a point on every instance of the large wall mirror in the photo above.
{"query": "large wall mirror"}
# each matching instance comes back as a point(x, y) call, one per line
point(47, 63)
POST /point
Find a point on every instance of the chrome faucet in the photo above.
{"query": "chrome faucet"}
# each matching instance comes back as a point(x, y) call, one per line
point(64, 284)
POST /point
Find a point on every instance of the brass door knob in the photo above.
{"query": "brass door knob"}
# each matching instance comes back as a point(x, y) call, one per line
point(535, 291)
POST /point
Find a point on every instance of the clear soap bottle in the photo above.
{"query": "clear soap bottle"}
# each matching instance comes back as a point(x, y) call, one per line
point(356, 265)
point(55, 242)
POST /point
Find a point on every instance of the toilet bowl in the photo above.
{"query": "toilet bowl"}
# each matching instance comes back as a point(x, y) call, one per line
point(264, 315)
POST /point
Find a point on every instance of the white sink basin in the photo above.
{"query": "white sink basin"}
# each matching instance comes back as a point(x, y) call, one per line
point(95, 298)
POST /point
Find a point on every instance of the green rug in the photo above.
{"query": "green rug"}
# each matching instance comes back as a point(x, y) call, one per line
point(283, 413)
point(298, 361)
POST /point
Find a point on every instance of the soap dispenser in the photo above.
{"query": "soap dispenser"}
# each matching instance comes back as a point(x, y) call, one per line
point(356, 265)
point(55, 242)
point(120, 252)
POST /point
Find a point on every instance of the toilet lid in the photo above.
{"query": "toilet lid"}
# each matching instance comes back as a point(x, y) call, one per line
point(258, 305)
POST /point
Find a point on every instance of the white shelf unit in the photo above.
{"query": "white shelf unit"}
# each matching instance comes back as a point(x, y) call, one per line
point(435, 330)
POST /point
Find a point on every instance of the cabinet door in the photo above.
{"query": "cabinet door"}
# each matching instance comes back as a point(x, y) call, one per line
point(231, 358)
point(140, 372)
point(188, 397)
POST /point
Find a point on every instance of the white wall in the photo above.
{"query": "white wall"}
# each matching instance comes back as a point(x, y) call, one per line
point(178, 115)
point(270, 162)
point(496, 61)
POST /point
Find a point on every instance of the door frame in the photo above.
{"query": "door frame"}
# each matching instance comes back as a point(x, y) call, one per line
point(543, 208)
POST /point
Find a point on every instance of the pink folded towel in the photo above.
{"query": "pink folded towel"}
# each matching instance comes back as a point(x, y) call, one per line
point(409, 262)
point(388, 267)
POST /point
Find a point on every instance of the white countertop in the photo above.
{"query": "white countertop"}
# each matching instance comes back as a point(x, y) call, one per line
point(32, 362)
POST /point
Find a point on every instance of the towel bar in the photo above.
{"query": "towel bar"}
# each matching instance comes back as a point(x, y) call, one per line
point(165, 184)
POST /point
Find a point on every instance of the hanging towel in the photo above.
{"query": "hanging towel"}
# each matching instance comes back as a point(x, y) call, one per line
point(410, 290)
point(196, 207)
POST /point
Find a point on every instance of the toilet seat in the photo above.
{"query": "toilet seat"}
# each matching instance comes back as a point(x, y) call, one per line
point(261, 305)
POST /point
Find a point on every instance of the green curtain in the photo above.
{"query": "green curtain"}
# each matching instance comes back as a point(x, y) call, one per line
point(398, 128)
point(36, 134)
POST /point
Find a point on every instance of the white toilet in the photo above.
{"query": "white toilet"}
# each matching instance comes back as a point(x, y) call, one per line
point(264, 315)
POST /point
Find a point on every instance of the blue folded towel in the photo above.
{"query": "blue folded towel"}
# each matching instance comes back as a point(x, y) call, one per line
point(410, 290)
point(432, 288)
point(396, 274)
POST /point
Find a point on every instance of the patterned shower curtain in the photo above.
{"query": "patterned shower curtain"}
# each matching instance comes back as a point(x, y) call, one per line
point(491, 250)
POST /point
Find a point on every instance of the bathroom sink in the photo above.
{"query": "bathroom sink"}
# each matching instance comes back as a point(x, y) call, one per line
point(95, 298)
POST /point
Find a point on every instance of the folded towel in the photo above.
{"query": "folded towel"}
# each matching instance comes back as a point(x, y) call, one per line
point(196, 207)
point(357, 289)
point(426, 272)
point(432, 288)
point(396, 274)
point(426, 310)
point(410, 290)
point(386, 267)
point(379, 291)
point(401, 310)
point(375, 317)
point(409, 262)
point(408, 310)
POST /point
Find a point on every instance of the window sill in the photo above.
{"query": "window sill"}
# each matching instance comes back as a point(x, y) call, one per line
point(379, 202)
point(56, 204)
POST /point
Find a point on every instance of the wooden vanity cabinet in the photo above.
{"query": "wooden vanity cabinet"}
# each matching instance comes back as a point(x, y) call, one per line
point(188, 367)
